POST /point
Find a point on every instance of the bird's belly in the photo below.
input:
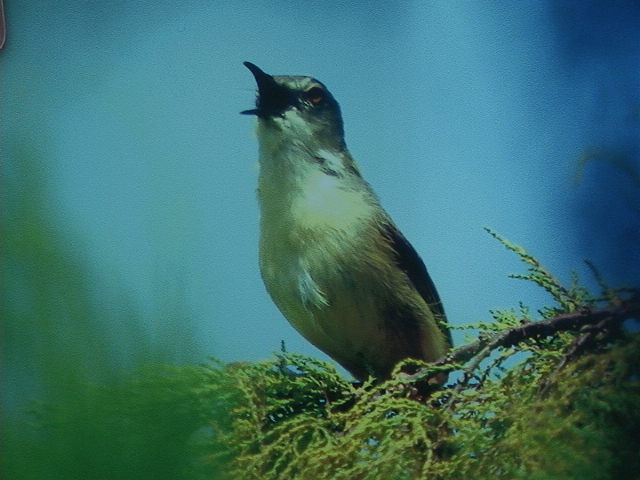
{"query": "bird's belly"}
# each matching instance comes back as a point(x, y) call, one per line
point(339, 305)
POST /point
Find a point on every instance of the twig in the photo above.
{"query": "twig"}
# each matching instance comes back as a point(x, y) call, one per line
point(606, 317)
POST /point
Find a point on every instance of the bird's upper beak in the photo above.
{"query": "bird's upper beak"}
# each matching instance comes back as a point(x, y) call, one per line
point(273, 98)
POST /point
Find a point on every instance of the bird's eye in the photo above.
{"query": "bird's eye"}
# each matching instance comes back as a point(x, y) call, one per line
point(314, 95)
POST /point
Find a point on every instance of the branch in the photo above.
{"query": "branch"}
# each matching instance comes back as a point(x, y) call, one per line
point(602, 318)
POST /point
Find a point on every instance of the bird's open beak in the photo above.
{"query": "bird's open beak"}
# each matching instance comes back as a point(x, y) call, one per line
point(273, 98)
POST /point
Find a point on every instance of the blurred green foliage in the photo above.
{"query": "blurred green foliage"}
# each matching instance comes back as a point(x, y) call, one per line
point(294, 417)
point(65, 332)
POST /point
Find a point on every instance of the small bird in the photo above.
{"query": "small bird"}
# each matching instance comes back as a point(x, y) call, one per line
point(331, 258)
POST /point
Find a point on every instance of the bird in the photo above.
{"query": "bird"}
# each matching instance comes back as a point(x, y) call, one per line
point(331, 258)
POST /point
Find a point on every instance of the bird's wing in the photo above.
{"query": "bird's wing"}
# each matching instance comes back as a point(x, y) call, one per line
point(410, 262)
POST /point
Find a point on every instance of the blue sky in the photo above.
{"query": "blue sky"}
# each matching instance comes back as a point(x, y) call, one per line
point(460, 114)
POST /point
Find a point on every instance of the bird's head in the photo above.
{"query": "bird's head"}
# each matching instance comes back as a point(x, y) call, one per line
point(301, 108)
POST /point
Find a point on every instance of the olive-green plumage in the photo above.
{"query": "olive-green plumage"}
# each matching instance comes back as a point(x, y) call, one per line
point(332, 260)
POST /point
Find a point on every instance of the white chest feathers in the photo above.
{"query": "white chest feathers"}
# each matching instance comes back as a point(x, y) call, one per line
point(314, 220)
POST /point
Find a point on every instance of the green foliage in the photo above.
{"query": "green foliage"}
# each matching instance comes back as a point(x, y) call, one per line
point(295, 417)
point(66, 335)
point(567, 299)
point(499, 425)
point(135, 429)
